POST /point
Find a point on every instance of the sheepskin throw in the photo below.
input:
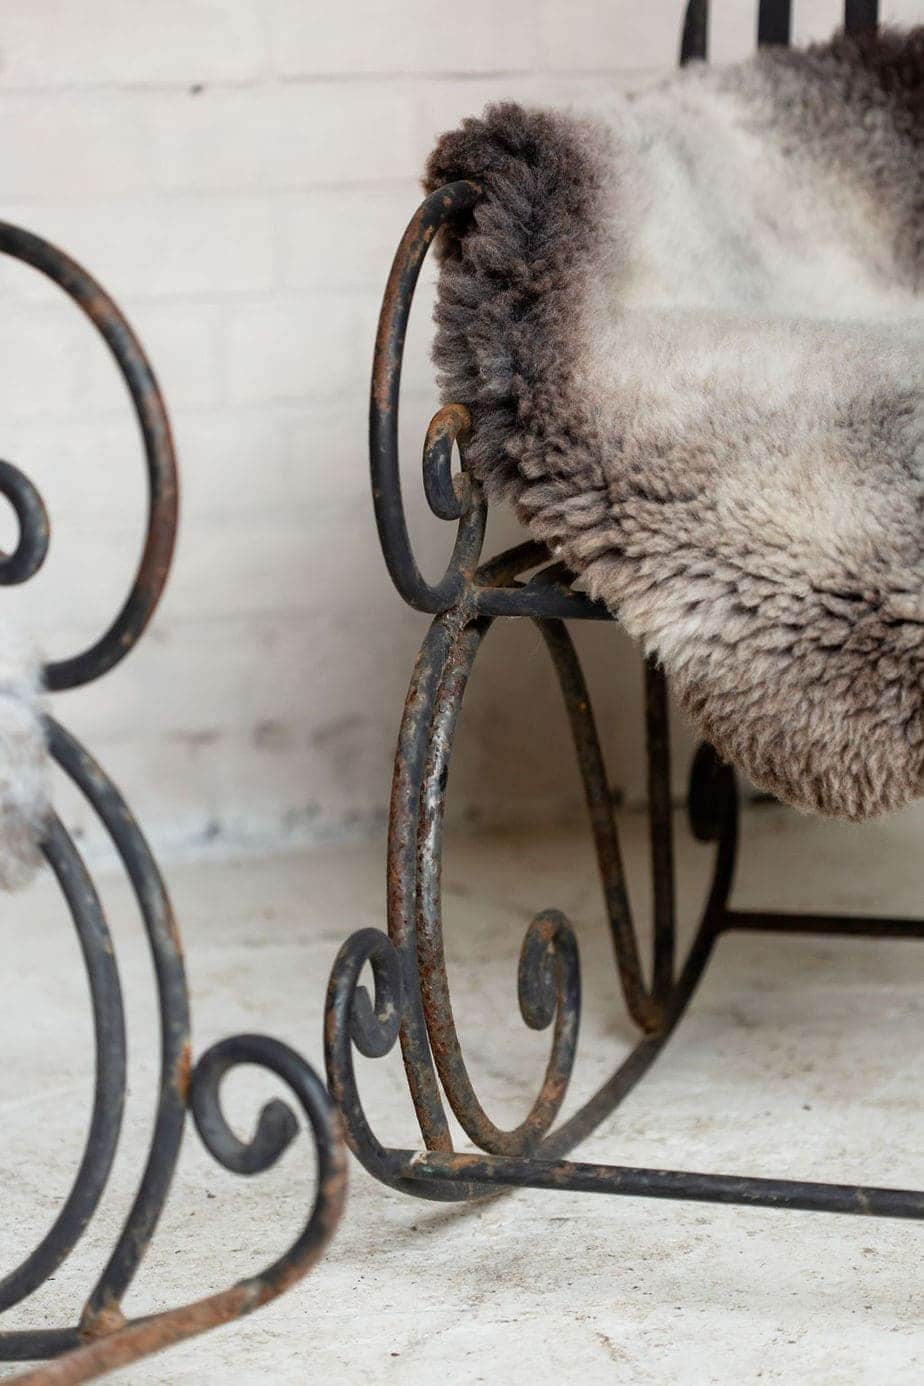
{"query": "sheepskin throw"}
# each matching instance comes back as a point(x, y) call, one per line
point(25, 801)
point(689, 330)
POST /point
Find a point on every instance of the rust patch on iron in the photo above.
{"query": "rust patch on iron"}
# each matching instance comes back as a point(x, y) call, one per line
point(182, 1071)
point(109, 1319)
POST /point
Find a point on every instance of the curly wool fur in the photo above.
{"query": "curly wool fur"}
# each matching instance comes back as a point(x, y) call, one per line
point(689, 332)
point(25, 802)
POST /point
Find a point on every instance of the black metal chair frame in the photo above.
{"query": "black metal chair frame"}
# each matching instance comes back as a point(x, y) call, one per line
point(103, 1339)
point(411, 993)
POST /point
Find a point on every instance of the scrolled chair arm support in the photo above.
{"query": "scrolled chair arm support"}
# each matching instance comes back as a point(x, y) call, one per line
point(548, 990)
point(352, 1018)
point(142, 600)
point(449, 499)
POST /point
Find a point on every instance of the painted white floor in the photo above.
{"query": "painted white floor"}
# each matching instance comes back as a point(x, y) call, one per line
point(798, 1058)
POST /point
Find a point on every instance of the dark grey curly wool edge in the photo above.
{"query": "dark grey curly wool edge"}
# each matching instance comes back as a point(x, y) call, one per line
point(788, 612)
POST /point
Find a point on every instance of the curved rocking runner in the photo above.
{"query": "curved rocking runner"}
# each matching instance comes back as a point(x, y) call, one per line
point(412, 998)
point(103, 1339)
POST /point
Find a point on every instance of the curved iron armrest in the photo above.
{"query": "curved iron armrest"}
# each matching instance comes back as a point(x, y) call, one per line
point(103, 1339)
point(491, 588)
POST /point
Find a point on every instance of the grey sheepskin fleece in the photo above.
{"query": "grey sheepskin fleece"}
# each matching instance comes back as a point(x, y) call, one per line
point(689, 330)
point(25, 802)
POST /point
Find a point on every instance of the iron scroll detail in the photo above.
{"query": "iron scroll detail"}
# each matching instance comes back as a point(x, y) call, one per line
point(102, 1339)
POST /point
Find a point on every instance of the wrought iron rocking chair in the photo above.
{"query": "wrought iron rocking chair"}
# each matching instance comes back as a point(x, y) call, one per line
point(412, 1000)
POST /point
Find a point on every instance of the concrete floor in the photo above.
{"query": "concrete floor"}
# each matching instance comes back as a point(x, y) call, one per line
point(798, 1058)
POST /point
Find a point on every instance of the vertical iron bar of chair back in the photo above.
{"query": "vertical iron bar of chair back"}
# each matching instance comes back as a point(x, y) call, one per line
point(774, 22)
point(694, 40)
point(860, 15)
point(660, 826)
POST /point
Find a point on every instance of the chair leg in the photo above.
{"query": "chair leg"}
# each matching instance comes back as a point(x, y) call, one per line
point(103, 1339)
point(412, 1002)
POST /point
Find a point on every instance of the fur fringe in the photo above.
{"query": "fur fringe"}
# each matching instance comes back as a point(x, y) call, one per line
point(25, 794)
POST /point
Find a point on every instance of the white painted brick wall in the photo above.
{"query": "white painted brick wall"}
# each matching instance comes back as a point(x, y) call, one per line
point(237, 173)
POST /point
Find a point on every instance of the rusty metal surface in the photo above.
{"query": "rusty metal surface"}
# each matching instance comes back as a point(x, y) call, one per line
point(412, 996)
point(661, 1183)
point(548, 974)
point(641, 1005)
